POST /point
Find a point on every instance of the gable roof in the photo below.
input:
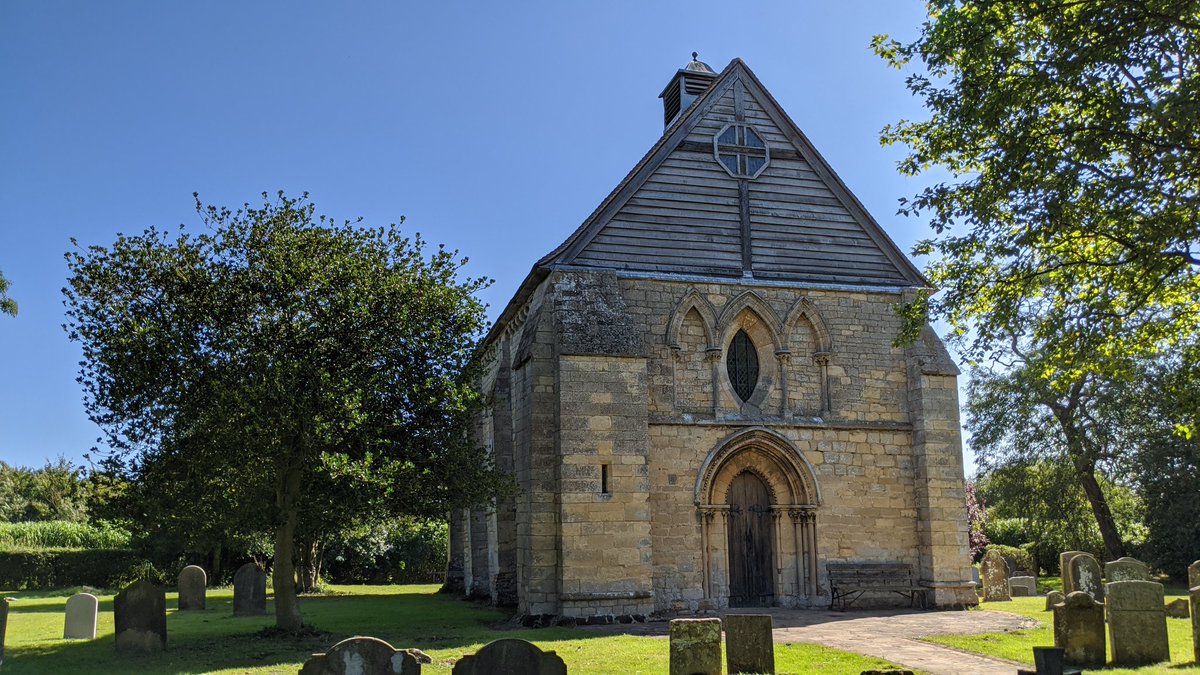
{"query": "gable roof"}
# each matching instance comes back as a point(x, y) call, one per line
point(888, 265)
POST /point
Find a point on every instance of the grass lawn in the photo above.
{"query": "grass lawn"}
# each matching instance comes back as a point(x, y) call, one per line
point(213, 641)
point(1018, 645)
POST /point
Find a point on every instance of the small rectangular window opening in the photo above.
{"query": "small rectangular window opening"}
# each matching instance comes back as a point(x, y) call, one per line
point(603, 479)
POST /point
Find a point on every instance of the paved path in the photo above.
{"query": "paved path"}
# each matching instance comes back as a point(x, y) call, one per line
point(886, 634)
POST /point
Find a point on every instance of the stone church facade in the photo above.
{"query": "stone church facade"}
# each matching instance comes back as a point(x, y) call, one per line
point(698, 395)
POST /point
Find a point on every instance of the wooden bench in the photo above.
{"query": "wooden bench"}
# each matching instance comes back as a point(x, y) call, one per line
point(848, 581)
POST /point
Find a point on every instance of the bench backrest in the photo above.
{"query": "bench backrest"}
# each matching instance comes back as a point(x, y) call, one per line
point(870, 572)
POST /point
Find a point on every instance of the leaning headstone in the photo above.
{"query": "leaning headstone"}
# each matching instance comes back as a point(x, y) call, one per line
point(510, 656)
point(1126, 569)
point(1177, 609)
point(995, 577)
point(3, 624)
point(1022, 587)
point(249, 590)
point(192, 582)
point(1064, 569)
point(1194, 574)
point(1079, 629)
point(1054, 598)
point(1193, 598)
point(80, 620)
point(360, 656)
point(695, 647)
point(1085, 575)
point(140, 615)
point(1137, 622)
point(749, 647)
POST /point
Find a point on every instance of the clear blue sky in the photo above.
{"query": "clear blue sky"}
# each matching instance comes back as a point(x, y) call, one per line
point(495, 128)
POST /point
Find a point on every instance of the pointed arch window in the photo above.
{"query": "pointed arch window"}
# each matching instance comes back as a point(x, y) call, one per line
point(742, 365)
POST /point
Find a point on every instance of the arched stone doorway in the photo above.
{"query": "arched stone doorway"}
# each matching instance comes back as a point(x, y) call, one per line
point(757, 499)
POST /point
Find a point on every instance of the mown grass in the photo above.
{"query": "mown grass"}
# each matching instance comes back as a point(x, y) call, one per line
point(1018, 645)
point(213, 641)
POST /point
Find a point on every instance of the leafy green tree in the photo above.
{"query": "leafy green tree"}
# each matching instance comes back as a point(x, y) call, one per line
point(286, 351)
point(56, 491)
point(7, 304)
point(1069, 131)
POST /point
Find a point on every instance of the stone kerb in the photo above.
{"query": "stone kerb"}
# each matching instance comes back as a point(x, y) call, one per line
point(192, 583)
point(1064, 570)
point(1126, 569)
point(362, 655)
point(140, 617)
point(1079, 629)
point(511, 656)
point(1086, 575)
point(749, 647)
point(79, 619)
point(994, 572)
point(249, 591)
point(695, 647)
point(1137, 622)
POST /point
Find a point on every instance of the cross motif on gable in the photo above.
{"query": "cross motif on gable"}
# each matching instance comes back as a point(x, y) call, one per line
point(741, 151)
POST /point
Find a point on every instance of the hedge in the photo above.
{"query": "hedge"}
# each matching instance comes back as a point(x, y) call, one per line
point(1020, 556)
point(40, 569)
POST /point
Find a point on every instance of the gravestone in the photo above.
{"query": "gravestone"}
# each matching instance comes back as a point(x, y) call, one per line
point(1064, 569)
point(510, 656)
point(975, 575)
point(1194, 574)
point(249, 591)
point(3, 624)
point(1085, 575)
point(1022, 587)
point(995, 577)
point(1137, 623)
point(749, 647)
point(1054, 598)
point(79, 622)
point(362, 656)
point(1126, 569)
point(1194, 598)
point(695, 647)
point(192, 582)
point(140, 615)
point(1011, 564)
point(1079, 629)
point(1177, 609)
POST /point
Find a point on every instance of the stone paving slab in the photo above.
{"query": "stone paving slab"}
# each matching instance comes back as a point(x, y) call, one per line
point(886, 634)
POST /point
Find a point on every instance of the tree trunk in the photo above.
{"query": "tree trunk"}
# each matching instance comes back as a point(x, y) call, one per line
point(283, 575)
point(1104, 517)
point(309, 570)
point(215, 573)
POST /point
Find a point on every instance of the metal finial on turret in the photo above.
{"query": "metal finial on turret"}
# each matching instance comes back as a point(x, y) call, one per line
point(695, 55)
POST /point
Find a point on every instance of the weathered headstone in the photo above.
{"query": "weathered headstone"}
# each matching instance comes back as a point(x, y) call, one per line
point(975, 575)
point(1022, 587)
point(1137, 622)
point(1011, 564)
point(510, 656)
point(695, 647)
point(749, 647)
point(1064, 569)
point(1126, 569)
point(140, 615)
point(1177, 609)
point(192, 584)
point(1194, 598)
point(79, 621)
point(362, 656)
point(1086, 575)
point(995, 577)
point(1194, 574)
point(249, 590)
point(1079, 629)
point(1054, 598)
point(3, 624)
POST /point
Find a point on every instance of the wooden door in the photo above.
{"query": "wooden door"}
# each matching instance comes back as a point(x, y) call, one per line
point(751, 539)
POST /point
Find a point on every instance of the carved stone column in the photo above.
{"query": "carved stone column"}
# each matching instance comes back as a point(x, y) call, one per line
point(822, 361)
point(676, 359)
point(785, 360)
point(713, 356)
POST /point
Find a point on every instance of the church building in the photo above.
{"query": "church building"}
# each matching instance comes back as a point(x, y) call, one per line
point(698, 393)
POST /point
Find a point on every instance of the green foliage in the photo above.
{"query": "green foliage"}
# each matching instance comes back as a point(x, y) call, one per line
point(61, 534)
point(7, 304)
point(30, 569)
point(1068, 131)
point(1020, 556)
point(57, 491)
point(405, 551)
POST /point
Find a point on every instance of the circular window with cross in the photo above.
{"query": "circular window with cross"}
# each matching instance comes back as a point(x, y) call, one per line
point(741, 150)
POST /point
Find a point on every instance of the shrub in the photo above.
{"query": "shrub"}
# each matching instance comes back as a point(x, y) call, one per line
point(405, 551)
point(1022, 557)
point(61, 534)
point(40, 569)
